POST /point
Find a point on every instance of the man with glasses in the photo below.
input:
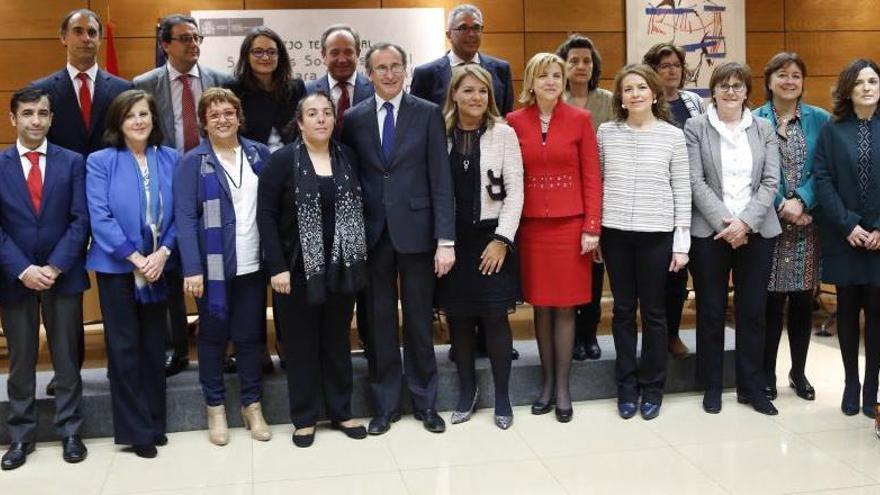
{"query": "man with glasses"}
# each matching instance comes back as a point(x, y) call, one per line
point(410, 226)
point(177, 87)
point(464, 31)
point(80, 94)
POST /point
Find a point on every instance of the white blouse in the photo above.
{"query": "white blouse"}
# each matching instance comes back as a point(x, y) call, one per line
point(736, 161)
point(243, 185)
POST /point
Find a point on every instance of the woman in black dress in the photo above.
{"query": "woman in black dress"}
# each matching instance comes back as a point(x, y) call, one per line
point(483, 286)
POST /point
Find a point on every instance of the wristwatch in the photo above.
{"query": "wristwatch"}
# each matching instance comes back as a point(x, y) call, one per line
point(166, 250)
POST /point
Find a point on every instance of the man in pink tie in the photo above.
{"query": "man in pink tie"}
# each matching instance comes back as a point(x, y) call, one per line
point(44, 227)
point(177, 87)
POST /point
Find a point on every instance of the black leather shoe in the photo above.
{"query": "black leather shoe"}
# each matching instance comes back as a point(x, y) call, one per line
point(594, 352)
point(539, 407)
point(145, 451)
point(514, 354)
point(765, 407)
point(160, 440)
point(354, 432)
point(649, 410)
point(850, 403)
point(16, 456)
point(50, 387)
point(770, 392)
point(712, 402)
point(580, 352)
point(626, 410)
point(175, 364)
point(869, 410)
point(230, 365)
point(431, 420)
point(381, 424)
point(802, 388)
point(303, 441)
point(564, 415)
point(73, 450)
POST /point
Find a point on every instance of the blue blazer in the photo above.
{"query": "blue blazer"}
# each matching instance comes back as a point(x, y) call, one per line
point(189, 194)
point(56, 236)
point(363, 88)
point(116, 207)
point(431, 81)
point(68, 129)
point(413, 192)
point(812, 120)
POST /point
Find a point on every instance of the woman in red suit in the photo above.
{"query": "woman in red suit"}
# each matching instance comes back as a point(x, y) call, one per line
point(561, 219)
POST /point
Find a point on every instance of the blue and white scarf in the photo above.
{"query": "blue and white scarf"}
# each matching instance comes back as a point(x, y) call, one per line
point(212, 226)
point(151, 226)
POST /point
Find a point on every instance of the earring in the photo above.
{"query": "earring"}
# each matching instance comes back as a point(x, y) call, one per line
point(623, 106)
point(655, 101)
point(531, 91)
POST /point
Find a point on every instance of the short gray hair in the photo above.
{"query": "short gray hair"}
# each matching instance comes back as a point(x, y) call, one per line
point(464, 8)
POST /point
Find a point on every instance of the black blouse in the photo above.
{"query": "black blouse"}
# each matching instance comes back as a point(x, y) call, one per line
point(262, 112)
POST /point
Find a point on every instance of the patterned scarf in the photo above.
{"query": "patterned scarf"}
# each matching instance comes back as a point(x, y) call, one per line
point(212, 226)
point(865, 164)
point(151, 227)
point(346, 271)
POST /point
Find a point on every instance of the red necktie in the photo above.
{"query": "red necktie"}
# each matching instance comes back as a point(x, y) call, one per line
point(35, 179)
point(85, 99)
point(188, 114)
point(341, 105)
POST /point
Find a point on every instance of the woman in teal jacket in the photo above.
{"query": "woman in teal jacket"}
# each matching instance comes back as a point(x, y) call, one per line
point(795, 267)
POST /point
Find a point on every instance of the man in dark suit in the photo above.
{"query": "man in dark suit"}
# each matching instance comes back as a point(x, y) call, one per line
point(410, 225)
point(80, 94)
point(44, 226)
point(177, 87)
point(464, 31)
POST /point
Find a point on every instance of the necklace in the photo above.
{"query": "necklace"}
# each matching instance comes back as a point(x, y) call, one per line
point(240, 170)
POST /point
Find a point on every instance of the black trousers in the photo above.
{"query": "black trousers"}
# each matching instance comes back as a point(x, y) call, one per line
point(417, 281)
point(852, 300)
point(676, 295)
point(318, 355)
point(711, 265)
point(177, 334)
point(135, 336)
point(62, 315)
point(800, 324)
point(637, 263)
point(588, 316)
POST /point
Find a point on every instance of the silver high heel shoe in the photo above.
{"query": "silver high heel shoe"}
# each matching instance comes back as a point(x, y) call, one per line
point(503, 422)
point(463, 416)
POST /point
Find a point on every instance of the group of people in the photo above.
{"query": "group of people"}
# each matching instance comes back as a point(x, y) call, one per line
point(349, 190)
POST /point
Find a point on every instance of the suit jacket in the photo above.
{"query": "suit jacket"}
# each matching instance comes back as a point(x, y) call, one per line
point(562, 177)
point(413, 193)
point(68, 129)
point(56, 236)
point(112, 185)
point(363, 88)
point(431, 81)
point(836, 173)
point(812, 120)
point(704, 153)
point(189, 195)
point(157, 83)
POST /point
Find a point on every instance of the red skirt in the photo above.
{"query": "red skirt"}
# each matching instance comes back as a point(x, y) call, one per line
point(552, 268)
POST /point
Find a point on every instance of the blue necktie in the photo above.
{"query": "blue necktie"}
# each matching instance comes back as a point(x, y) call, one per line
point(388, 131)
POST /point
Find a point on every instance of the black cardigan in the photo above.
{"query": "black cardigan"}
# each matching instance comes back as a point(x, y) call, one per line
point(262, 112)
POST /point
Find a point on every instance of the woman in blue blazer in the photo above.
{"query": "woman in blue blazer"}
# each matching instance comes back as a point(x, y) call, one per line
point(215, 192)
point(795, 267)
point(128, 189)
point(847, 172)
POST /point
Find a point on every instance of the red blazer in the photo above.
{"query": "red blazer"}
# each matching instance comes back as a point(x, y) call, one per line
point(561, 175)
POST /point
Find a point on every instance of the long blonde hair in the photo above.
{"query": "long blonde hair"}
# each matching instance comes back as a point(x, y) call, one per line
point(450, 109)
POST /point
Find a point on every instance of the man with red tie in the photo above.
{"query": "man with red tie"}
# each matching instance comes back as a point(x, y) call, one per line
point(80, 94)
point(44, 227)
point(177, 87)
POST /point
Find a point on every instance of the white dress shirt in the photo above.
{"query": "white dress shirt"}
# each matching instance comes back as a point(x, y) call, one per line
point(455, 60)
point(736, 161)
point(336, 91)
point(380, 112)
point(93, 74)
point(195, 83)
point(26, 167)
point(244, 203)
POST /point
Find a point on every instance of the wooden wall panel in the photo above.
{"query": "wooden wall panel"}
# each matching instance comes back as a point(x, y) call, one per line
point(498, 15)
point(508, 47)
point(817, 90)
point(7, 132)
point(760, 47)
point(765, 15)
point(136, 18)
point(311, 4)
point(135, 55)
point(42, 22)
point(824, 15)
point(612, 47)
point(574, 15)
point(847, 45)
point(31, 60)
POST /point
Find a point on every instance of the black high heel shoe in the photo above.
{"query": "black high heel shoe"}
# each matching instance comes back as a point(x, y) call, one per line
point(564, 415)
point(802, 388)
point(539, 407)
point(849, 404)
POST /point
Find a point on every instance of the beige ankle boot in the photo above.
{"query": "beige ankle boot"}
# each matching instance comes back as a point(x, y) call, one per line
point(252, 416)
point(218, 430)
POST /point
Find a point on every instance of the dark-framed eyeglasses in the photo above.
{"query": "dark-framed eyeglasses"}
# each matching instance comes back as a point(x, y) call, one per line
point(189, 38)
point(264, 52)
point(464, 28)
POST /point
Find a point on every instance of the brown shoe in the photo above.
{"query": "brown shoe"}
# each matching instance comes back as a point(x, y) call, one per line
point(252, 416)
point(677, 348)
point(218, 429)
point(877, 420)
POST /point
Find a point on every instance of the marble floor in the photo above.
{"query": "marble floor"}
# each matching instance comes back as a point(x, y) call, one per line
point(811, 447)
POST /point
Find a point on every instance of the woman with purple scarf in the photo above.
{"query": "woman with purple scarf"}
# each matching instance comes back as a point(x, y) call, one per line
point(128, 189)
point(215, 192)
